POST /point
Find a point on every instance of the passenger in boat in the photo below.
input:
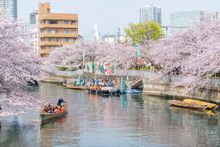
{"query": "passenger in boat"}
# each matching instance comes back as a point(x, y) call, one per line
point(51, 108)
point(57, 109)
point(62, 108)
point(64, 105)
point(46, 109)
point(101, 83)
point(83, 82)
point(60, 101)
point(93, 82)
point(96, 82)
point(113, 83)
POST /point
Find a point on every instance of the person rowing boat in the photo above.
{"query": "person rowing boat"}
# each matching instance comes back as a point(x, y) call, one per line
point(61, 106)
point(51, 111)
point(60, 101)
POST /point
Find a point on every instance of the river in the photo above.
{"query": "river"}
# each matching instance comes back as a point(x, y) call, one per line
point(125, 121)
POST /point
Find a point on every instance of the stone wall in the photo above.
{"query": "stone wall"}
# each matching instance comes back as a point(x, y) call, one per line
point(168, 89)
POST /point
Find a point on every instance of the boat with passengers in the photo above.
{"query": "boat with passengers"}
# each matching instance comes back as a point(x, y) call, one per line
point(50, 111)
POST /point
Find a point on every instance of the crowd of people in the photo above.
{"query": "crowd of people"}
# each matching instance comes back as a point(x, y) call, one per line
point(103, 82)
point(60, 107)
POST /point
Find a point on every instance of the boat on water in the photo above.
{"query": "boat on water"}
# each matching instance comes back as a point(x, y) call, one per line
point(93, 89)
point(48, 116)
point(50, 111)
point(193, 104)
point(138, 84)
point(133, 91)
point(107, 90)
point(187, 105)
point(71, 86)
point(210, 106)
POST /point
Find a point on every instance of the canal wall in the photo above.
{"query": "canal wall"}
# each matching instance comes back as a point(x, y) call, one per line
point(164, 87)
point(167, 88)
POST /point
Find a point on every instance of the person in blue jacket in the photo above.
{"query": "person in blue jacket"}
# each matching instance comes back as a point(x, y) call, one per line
point(60, 101)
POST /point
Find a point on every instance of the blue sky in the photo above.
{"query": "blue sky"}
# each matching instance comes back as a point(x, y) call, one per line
point(112, 14)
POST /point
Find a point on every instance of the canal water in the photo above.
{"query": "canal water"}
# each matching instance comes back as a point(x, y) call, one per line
point(125, 121)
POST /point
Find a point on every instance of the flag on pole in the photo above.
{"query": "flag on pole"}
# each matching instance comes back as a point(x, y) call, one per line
point(138, 55)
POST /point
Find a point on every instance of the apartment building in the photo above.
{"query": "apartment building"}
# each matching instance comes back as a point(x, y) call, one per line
point(55, 29)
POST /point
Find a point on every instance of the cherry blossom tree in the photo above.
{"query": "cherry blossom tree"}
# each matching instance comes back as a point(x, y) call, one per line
point(193, 54)
point(18, 65)
point(120, 55)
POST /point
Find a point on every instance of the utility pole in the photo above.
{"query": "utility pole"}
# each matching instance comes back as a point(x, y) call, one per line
point(118, 35)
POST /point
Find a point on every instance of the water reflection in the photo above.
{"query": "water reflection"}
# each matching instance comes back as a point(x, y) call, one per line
point(54, 122)
point(129, 120)
point(122, 102)
point(16, 134)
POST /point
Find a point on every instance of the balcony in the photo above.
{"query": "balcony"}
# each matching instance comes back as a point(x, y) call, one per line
point(58, 16)
point(47, 43)
point(58, 26)
point(58, 35)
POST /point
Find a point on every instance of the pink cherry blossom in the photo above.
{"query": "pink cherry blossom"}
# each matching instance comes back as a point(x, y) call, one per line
point(18, 65)
point(120, 55)
point(194, 53)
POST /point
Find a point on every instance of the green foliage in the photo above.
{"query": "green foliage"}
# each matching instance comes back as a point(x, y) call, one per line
point(146, 67)
point(148, 30)
point(74, 68)
point(143, 68)
point(217, 75)
point(62, 68)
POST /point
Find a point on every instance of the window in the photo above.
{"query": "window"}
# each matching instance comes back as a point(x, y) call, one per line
point(42, 31)
point(42, 39)
point(66, 31)
point(53, 22)
point(52, 31)
point(73, 31)
point(74, 22)
point(66, 39)
point(66, 22)
point(53, 40)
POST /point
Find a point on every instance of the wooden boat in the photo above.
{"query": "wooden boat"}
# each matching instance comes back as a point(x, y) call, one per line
point(138, 84)
point(188, 105)
point(133, 91)
point(109, 91)
point(48, 116)
point(210, 106)
point(93, 89)
point(70, 86)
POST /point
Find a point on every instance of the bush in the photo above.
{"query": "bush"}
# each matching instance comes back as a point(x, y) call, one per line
point(74, 68)
point(144, 68)
point(62, 68)
point(217, 75)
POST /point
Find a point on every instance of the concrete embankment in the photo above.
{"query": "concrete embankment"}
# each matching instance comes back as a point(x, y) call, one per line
point(172, 91)
point(163, 88)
